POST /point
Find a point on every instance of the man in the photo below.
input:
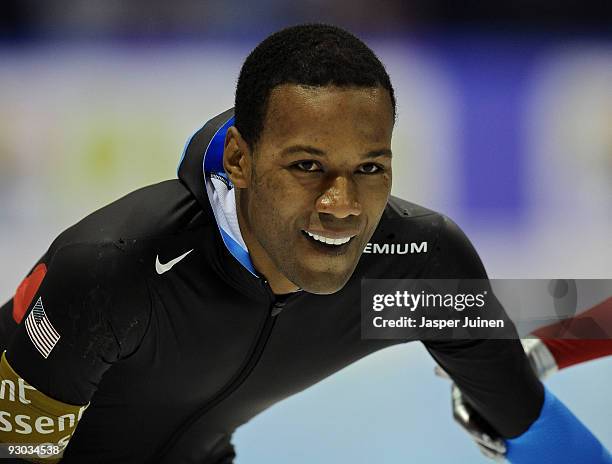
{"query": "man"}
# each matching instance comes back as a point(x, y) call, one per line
point(156, 326)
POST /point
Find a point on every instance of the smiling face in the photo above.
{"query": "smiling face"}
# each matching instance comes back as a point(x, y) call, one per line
point(320, 172)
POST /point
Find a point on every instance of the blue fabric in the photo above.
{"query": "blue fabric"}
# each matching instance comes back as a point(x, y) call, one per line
point(239, 253)
point(213, 158)
point(558, 437)
point(220, 195)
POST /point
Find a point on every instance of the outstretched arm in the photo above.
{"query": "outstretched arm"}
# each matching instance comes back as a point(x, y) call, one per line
point(496, 384)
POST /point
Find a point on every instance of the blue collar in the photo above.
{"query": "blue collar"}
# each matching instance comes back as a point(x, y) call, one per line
point(221, 196)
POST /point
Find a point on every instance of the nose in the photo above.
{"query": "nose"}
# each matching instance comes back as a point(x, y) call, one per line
point(339, 199)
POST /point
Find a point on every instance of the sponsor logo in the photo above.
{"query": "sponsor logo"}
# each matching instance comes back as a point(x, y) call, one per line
point(40, 330)
point(161, 268)
point(395, 248)
point(37, 419)
point(8, 388)
point(26, 425)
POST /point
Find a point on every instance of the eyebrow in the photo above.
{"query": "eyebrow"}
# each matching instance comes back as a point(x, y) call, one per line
point(316, 152)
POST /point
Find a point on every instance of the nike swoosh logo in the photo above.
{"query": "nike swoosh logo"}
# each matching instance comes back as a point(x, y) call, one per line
point(161, 268)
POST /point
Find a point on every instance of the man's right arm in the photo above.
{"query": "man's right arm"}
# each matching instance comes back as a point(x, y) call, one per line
point(87, 310)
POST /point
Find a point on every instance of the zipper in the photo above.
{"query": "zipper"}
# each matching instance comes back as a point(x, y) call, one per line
point(246, 369)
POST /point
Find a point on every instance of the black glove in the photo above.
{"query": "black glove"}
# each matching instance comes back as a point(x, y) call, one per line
point(488, 441)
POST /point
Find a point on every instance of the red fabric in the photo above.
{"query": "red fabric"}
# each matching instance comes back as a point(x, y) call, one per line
point(570, 352)
point(582, 338)
point(26, 291)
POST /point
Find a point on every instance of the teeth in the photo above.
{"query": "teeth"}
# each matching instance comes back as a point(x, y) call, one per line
point(329, 241)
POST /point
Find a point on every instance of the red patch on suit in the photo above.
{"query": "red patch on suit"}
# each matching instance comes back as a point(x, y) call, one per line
point(582, 338)
point(26, 291)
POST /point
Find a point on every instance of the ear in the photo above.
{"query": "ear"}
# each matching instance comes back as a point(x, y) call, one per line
point(237, 158)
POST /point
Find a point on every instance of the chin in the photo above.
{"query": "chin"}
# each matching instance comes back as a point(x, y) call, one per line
point(323, 283)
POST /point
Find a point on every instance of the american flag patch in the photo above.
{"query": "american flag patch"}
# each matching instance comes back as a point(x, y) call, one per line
point(40, 330)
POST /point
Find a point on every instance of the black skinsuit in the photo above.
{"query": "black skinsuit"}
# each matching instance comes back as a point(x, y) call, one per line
point(173, 363)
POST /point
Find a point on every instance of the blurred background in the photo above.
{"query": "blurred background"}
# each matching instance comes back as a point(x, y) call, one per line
point(505, 125)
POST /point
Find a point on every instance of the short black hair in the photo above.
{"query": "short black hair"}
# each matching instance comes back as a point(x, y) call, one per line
point(310, 54)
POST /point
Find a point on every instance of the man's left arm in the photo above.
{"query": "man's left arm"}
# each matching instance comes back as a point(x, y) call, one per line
point(497, 381)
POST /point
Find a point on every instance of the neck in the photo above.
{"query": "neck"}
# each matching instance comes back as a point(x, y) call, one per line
point(260, 259)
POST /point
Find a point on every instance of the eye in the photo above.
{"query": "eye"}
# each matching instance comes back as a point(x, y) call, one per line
point(370, 168)
point(307, 166)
